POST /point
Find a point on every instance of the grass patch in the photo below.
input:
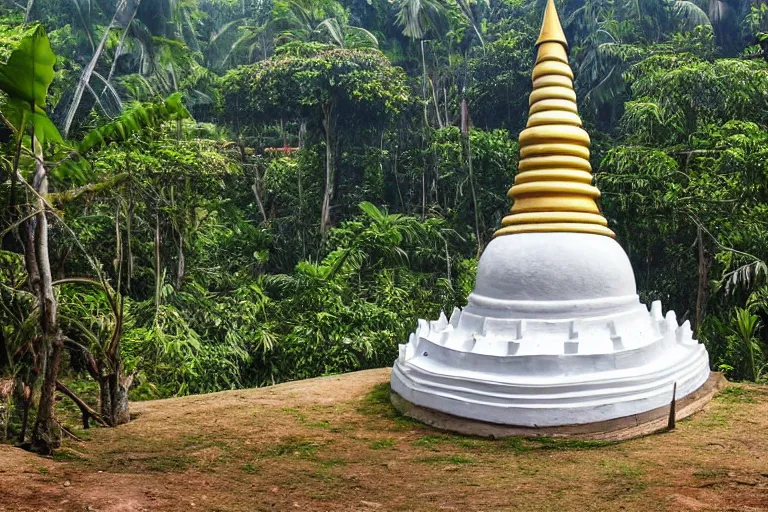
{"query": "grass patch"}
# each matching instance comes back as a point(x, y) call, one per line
point(43, 471)
point(332, 481)
point(381, 444)
point(549, 443)
point(474, 444)
point(65, 455)
point(516, 444)
point(168, 464)
point(624, 478)
point(528, 470)
point(330, 463)
point(251, 468)
point(194, 441)
point(447, 459)
point(519, 444)
point(737, 395)
point(82, 433)
point(710, 473)
point(431, 442)
point(377, 403)
point(715, 419)
point(377, 397)
point(300, 417)
point(119, 461)
point(300, 448)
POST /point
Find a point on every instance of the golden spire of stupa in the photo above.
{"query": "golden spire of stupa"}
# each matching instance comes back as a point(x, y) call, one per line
point(553, 188)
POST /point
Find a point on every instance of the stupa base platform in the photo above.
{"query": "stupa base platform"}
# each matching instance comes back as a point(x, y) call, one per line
point(618, 429)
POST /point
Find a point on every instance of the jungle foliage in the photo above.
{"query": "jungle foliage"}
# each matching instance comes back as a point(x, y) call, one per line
point(212, 194)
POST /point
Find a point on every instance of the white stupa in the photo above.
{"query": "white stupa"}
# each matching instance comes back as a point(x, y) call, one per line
point(554, 333)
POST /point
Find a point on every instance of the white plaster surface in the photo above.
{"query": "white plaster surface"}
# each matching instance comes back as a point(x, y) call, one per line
point(553, 334)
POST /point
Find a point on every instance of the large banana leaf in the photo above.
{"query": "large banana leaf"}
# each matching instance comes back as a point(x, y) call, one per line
point(25, 78)
point(28, 73)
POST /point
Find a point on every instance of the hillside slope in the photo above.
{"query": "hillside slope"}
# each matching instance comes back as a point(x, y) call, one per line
point(335, 444)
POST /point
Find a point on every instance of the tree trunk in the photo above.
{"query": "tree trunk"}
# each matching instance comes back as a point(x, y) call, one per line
point(119, 386)
point(445, 106)
point(119, 48)
point(464, 117)
point(28, 10)
point(299, 216)
point(116, 394)
point(27, 232)
point(703, 270)
point(468, 151)
point(256, 187)
point(436, 179)
point(27, 393)
point(437, 107)
point(113, 397)
point(302, 133)
point(105, 399)
point(180, 263)
point(397, 181)
point(426, 127)
point(158, 264)
point(26, 404)
point(46, 435)
point(325, 214)
point(424, 189)
point(128, 243)
point(424, 83)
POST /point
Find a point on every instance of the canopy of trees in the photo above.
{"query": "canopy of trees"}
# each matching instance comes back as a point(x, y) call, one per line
point(211, 194)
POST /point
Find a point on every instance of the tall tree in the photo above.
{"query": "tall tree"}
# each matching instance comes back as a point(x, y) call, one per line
point(325, 86)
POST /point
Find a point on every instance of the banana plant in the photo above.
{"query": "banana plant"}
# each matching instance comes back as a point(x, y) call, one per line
point(25, 78)
point(745, 326)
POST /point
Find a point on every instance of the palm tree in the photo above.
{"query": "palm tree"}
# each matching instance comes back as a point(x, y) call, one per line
point(124, 8)
point(311, 20)
point(159, 36)
point(347, 36)
point(418, 18)
point(304, 20)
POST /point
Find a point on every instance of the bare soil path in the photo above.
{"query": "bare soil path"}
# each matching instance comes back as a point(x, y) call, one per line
point(335, 444)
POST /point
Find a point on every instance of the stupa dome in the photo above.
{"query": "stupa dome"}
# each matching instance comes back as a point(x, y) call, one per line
point(542, 267)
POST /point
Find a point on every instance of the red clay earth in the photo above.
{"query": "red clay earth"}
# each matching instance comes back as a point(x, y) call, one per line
point(335, 444)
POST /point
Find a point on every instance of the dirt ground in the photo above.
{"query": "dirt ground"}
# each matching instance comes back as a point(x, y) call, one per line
point(335, 444)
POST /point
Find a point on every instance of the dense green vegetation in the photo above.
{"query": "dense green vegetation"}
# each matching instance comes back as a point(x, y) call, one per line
point(207, 194)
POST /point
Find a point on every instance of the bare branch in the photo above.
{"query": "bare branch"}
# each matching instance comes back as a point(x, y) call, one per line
point(84, 407)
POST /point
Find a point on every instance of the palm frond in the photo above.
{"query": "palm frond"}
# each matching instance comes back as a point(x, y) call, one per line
point(690, 14)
